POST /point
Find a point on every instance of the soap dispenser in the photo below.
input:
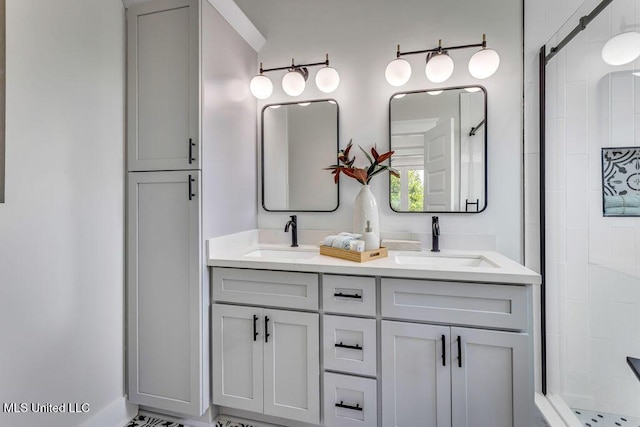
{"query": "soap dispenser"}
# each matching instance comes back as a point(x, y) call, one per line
point(371, 239)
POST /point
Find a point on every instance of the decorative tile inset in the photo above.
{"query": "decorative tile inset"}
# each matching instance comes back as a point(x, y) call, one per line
point(621, 171)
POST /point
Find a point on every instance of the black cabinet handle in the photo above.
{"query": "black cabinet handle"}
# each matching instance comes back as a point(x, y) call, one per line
point(266, 328)
point(354, 347)
point(340, 294)
point(459, 352)
point(355, 408)
point(255, 327)
point(191, 145)
point(191, 181)
point(444, 357)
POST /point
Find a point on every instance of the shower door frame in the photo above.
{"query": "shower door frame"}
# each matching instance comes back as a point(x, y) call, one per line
point(544, 59)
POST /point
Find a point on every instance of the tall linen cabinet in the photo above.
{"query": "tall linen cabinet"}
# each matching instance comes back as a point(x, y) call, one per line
point(191, 158)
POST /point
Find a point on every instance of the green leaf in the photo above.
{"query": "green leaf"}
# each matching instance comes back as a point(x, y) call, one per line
point(366, 154)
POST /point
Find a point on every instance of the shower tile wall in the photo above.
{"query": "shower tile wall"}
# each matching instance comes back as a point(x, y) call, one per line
point(593, 263)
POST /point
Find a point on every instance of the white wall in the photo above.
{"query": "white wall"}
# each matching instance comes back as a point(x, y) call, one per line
point(228, 128)
point(361, 37)
point(62, 228)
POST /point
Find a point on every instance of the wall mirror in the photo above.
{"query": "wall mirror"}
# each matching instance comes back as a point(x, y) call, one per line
point(440, 143)
point(621, 181)
point(299, 139)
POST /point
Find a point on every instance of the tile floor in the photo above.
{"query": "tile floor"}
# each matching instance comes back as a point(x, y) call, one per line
point(600, 419)
point(147, 421)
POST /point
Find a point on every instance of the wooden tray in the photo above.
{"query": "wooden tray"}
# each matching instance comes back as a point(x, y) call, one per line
point(353, 255)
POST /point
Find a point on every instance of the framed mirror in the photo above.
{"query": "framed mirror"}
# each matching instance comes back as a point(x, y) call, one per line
point(439, 138)
point(621, 181)
point(299, 140)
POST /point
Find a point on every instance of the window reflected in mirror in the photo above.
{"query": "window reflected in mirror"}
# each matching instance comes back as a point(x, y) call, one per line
point(439, 140)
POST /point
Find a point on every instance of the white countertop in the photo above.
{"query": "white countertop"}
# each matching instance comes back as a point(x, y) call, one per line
point(231, 250)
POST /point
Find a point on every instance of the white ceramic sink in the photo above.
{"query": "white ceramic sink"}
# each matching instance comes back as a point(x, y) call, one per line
point(282, 254)
point(444, 261)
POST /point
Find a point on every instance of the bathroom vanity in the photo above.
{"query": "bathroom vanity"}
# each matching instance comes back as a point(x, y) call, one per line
point(413, 339)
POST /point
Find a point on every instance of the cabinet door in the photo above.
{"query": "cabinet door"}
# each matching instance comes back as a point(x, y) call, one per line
point(165, 309)
point(236, 356)
point(163, 85)
point(416, 378)
point(491, 383)
point(292, 365)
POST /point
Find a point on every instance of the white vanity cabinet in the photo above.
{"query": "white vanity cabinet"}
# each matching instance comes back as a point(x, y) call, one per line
point(180, 53)
point(266, 360)
point(397, 349)
point(162, 85)
point(164, 279)
point(453, 375)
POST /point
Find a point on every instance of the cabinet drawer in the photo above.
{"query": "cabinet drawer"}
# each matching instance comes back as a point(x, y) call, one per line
point(349, 401)
point(265, 288)
point(478, 304)
point(349, 294)
point(350, 344)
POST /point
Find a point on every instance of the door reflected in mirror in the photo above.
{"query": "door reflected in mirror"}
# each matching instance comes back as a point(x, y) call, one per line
point(299, 140)
point(439, 139)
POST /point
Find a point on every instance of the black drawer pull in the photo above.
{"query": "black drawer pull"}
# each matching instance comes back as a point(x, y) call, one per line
point(191, 181)
point(355, 408)
point(266, 329)
point(340, 294)
point(459, 352)
point(255, 327)
point(191, 145)
point(444, 357)
point(354, 347)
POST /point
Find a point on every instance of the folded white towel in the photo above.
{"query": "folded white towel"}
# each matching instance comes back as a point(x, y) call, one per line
point(354, 235)
point(328, 241)
point(342, 242)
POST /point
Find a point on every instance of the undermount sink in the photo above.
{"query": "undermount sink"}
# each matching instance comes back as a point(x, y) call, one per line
point(282, 254)
point(435, 260)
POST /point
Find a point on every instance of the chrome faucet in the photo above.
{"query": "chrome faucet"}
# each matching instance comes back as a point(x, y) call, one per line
point(293, 223)
point(435, 234)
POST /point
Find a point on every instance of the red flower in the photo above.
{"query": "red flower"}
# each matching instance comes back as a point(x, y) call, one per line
point(362, 175)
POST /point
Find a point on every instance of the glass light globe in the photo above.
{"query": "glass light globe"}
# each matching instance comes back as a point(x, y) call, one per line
point(621, 49)
point(293, 83)
point(439, 68)
point(261, 87)
point(472, 89)
point(484, 63)
point(398, 72)
point(435, 92)
point(327, 79)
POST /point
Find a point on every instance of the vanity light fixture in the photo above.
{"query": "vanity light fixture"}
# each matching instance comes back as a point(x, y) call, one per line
point(294, 81)
point(439, 68)
point(622, 48)
point(439, 65)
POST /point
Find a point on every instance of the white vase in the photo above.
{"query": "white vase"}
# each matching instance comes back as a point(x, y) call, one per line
point(365, 208)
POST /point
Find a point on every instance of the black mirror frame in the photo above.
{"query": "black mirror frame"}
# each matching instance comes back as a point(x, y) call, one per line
point(262, 154)
point(486, 159)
